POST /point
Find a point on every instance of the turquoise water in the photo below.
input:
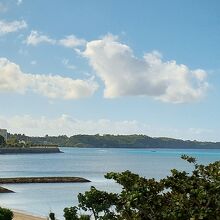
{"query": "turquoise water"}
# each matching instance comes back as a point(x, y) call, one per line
point(92, 164)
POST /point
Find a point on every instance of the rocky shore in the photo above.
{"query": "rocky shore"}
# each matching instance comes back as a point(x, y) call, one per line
point(4, 190)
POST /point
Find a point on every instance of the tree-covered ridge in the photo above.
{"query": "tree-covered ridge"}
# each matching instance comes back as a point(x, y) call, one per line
point(115, 141)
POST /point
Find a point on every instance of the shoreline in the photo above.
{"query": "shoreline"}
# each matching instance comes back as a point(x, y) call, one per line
point(25, 215)
point(144, 148)
point(22, 215)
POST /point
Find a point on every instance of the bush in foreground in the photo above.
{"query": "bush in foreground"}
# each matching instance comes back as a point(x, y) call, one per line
point(5, 214)
point(179, 196)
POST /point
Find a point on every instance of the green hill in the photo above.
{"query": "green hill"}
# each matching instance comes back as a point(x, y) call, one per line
point(116, 141)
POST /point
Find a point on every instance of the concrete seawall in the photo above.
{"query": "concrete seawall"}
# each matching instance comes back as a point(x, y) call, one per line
point(29, 150)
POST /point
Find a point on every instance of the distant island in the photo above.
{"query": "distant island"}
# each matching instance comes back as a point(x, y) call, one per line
point(113, 141)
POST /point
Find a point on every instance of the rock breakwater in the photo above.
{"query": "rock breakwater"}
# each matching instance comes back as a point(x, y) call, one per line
point(43, 180)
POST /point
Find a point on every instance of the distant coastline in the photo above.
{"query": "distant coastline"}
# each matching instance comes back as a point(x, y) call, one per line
point(113, 141)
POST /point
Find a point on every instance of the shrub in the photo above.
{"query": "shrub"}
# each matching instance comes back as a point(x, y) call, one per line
point(52, 216)
point(6, 214)
point(70, 213)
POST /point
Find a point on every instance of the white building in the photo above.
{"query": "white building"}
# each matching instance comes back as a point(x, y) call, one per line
point(3, 133)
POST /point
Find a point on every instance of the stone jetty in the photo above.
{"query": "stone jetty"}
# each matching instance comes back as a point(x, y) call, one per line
point(43, 180)
point(4, 190)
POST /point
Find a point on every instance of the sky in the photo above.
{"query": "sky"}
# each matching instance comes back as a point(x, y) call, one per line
point(110, 67)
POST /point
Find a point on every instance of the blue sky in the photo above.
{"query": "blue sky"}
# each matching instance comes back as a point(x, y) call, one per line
point(119, 67)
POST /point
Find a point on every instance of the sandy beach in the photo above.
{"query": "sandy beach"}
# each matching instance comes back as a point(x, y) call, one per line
point(24, 216)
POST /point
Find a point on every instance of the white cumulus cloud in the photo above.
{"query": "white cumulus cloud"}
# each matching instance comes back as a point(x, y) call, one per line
point(126, 75)
point(68, 125)
point(36, 38)
point(13, 26)
point(67, 64)
point(12, 79)
point(72, 41)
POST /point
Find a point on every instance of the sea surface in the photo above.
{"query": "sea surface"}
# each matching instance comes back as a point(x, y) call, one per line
point(89, 163)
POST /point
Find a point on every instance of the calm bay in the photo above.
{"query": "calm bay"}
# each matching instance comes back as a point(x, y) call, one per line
point(90, 163)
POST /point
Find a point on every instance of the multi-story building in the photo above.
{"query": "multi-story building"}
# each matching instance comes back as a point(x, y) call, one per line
point(3, 133)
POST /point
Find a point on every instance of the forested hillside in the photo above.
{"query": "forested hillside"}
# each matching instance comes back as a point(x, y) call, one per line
point(115, 141)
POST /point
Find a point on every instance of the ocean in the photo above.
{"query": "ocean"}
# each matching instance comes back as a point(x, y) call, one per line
point(90, 163)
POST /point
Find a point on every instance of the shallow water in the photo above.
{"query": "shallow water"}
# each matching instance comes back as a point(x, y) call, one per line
point(89, 163)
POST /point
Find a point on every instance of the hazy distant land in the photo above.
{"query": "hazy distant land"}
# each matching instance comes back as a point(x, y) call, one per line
point(117, 141)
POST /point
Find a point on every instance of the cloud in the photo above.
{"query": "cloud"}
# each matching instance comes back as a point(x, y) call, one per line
point(36, 38)
point(67, 64)
point(33, 62)
point(72, 41)
point(12, 79)
point(9, 27)
point(126, 75)
point(19, 2)
point(3, 8)
point(68, 125)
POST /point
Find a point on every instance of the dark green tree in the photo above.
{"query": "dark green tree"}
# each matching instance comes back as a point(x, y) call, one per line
point(182, 195)
point(71, 213)
point(2, 141)
point(6, 214)
point(98, 202)
point(52, 216)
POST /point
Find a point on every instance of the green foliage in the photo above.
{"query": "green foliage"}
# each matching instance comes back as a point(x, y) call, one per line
point(97, 201)
point(195, 196)
point(179, 196)
point(84, 217)
point(52, 216)
point(71, 213)
point(118, 141)
point(2, 141)
point(6, 214)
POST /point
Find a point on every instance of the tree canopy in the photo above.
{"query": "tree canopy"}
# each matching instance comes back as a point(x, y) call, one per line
point(115, 141)
point(2, 141)
point(6, 214)
point(182, 195)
